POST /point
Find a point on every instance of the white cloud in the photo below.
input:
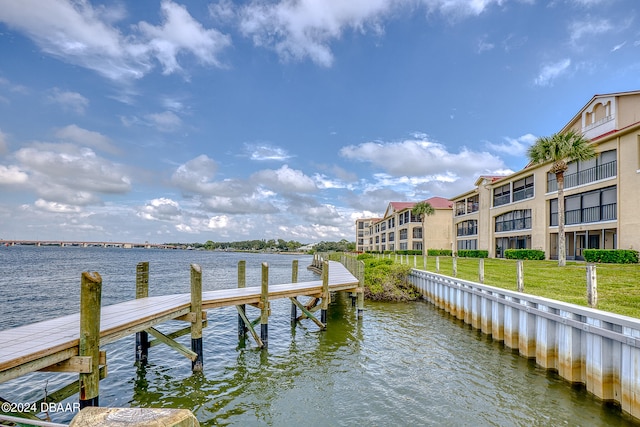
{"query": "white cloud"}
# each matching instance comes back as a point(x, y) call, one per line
point(180, 32)
point(196, 175)
point(514, 146)
point(262, 152)
point(12, 175)
point(420, 157)
point(55, 207)
point(588, 28)
point(69, 174)
point(165, 122)
point(550, 72)
point(81, 34)
point(87, 138)
point(69, 101)
point(161, 209)
point(618, 46)
point(285, 180)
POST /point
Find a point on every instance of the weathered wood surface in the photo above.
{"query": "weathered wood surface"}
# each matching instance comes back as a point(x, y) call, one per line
point(35, 346)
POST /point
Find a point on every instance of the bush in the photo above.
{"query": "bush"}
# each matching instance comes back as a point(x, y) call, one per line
point(613, 256)
point(524, 254)
point(473, 253)
point(387, 281)
point(439, 252)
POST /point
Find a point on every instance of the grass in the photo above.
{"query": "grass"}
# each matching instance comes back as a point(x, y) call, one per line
point(618, 284)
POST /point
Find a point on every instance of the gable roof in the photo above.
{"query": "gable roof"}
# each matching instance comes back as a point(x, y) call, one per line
point(436, 202)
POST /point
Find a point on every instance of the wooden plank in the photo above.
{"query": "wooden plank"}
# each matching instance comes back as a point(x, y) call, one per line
point(173, 344)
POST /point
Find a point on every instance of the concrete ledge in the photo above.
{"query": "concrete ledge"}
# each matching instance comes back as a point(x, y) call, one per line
point(132, 417)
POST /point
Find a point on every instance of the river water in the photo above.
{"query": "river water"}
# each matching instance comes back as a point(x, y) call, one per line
point(402, 365)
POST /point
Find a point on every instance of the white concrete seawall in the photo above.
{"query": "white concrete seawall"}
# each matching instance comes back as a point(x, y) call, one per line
point(598, 349)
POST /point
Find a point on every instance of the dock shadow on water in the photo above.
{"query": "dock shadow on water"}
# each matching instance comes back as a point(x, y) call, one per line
point(403, 364)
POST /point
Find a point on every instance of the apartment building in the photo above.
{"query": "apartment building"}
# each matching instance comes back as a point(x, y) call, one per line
point(362, 233)
point(602, 195)
point(400, 230)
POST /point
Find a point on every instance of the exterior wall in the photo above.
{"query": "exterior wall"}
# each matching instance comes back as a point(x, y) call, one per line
point(629, 189)
point(438, 230)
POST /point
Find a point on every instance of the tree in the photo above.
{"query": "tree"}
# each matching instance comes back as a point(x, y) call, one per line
point(561, 148)
point(423, 210)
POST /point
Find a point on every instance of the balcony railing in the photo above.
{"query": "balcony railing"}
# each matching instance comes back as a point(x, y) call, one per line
point(586, 215)
point(596, 173)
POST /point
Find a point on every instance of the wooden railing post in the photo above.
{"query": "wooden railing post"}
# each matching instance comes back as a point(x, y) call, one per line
point(196, 313)
point(294, 279)
point(454, 262)
point(242, 282)
point(481, 270)
point(90, 300)
point(592, 286)
point(520, 275)
point(325, 293)
point(437, 264)
point(142, 291)
point(264, 306)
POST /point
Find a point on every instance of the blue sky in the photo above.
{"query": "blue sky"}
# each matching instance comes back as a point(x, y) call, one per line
point(189, 121)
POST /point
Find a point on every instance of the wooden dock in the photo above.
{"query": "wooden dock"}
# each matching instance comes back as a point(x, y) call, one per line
point(72, 343)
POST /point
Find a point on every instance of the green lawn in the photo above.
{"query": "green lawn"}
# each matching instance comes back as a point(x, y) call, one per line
point(618, 284)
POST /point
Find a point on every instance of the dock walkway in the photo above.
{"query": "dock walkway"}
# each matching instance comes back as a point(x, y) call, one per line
point(40, 345)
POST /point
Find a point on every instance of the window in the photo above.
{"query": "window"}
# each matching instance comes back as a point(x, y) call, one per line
point(392, 222)
point(467, 228)
point(468, 244)
point(473, 204)
point(593, 206)
point(403, 234)
point(502, 195)
point(460, 208)
point(514, 220)
point(417, 232)
point(523, 188)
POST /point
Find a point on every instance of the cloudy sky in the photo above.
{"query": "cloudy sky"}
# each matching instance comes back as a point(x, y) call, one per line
point(188, 121)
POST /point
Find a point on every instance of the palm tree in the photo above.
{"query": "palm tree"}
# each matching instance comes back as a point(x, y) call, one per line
point(560, 148)
point(423, 209)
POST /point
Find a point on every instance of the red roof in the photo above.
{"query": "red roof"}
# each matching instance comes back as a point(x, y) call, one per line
point(436, 202)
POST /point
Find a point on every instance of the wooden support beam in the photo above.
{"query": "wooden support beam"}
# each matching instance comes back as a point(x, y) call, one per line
point(191, 355)
point(179, 333)
point(37, 364)
point(79, 364)
point(307, 313)
point(90, 304)
point(249, 326)
point(196, 310)
point(264, 302)
point(68, 390)
point(142, 291)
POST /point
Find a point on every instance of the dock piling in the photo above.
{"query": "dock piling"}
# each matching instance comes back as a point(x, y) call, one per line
point(242, 282)
point(196, 313)
point(90, 304)
point(264, 306)
point(142, 291)
point(294, 279)
point(325, 293)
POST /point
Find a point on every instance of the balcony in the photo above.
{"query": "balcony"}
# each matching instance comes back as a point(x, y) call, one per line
point(603, 171)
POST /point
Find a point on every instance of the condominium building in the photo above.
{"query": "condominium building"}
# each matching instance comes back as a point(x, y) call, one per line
point(399, 229)
point(362, 233)
point(602, 195)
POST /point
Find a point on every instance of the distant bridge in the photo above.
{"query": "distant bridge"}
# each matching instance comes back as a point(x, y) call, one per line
point(83, 244)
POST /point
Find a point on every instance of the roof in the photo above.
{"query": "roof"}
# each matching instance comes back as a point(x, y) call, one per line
point(436, 202)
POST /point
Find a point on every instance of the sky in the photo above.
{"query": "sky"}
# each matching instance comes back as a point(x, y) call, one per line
point(187, 121)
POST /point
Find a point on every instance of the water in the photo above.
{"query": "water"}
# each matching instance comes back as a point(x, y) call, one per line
point(402, 365)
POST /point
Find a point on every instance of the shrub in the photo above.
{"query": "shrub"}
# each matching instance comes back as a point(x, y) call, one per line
point(473, 253)
point(613, 256)
point(524, 254)
point(387, 281)
point(439, 252)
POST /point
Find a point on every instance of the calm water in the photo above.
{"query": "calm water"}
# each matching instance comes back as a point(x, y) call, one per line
point(403, 365)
